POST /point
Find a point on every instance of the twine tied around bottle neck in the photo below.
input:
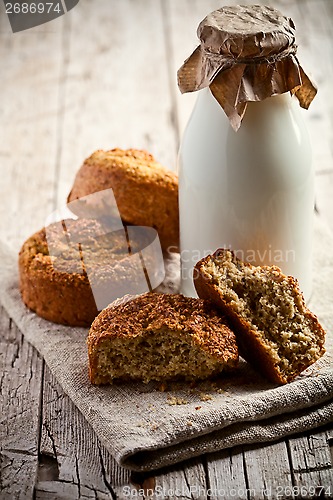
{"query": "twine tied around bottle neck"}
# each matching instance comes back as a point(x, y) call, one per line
point(225, 60)
point(247, 53)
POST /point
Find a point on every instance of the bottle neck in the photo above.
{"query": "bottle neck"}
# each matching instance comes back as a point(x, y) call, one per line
point(255, 110)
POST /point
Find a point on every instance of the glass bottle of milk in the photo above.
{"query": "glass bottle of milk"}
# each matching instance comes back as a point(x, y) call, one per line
point(245, 170)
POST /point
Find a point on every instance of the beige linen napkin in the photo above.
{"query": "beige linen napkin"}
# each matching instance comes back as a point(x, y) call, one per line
point(145, 427)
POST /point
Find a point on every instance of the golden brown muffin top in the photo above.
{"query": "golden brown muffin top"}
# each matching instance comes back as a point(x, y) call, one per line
point(132, 162)
point(80, 241)
point(35, 257)
point(154, 311)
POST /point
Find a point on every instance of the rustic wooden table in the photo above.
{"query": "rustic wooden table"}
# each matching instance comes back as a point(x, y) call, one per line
point(101, 76)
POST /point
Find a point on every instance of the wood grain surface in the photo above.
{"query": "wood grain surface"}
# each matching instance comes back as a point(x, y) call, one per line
point(101, 76)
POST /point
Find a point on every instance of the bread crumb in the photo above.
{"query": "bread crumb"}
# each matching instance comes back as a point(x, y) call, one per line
point(173, 400)
point(205, 397)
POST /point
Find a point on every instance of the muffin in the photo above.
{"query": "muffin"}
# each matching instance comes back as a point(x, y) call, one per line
point(71, 270)
point(146, 193)
point(159, 337)
point(275, 330)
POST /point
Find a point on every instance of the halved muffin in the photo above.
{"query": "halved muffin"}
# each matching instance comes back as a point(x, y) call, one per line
point(160, 337)
point(275, 330)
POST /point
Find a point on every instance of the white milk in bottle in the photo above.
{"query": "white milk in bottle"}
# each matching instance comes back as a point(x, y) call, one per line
point(245, 169)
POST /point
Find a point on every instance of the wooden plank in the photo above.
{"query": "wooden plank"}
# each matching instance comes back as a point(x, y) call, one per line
point(196, 478)
point(117, 93)
point(181, 20)
point(267, 471)
point(73, 461)
point(329, 437)
point(21, 370)
point(315, 32)
point(30, 87)
point(312, 465)
point(187, 481)
point(225, 474)
point(324, 199)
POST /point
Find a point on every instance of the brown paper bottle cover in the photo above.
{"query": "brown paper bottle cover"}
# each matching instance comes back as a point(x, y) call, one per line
point(247, 53)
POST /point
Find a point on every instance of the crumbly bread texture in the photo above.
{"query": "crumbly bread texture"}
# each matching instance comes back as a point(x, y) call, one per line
point(275, 330)
point(146, 192)
point(57, 288)
point(159, 337)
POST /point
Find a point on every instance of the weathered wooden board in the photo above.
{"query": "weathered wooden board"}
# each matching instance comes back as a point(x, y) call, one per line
point(116, 94)
point(226, 474)
point(300, 467)
point(29, 139)
point(21, 373)
point(75, 462)
point(103, 76)
point(312, 470)
point(188, 481)
point(268, 471)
